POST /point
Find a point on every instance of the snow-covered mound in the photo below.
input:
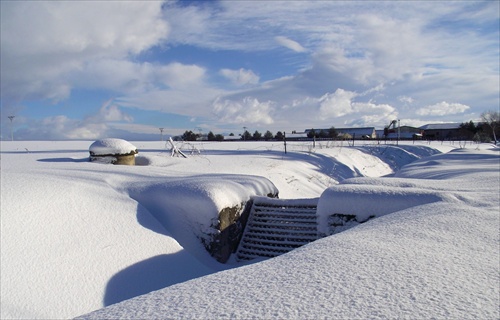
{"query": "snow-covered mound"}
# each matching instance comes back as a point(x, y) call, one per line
point(111, 146)
point(189, 207)
point(435, 258)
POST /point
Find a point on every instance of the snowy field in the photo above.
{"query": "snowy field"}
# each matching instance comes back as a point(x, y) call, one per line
point(78, 236)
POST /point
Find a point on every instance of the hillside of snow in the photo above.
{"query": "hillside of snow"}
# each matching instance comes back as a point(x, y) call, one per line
point(78, 236)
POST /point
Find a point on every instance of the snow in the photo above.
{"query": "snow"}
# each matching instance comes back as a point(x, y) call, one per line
point(78, 236)
point(111, 146)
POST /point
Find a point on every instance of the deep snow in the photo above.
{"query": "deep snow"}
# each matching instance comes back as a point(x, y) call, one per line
point(77, 236)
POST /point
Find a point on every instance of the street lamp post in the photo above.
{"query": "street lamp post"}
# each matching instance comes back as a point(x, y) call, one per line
point(11, 118)
point(161, 134)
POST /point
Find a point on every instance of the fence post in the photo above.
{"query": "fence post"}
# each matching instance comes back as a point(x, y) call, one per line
point(284, 139)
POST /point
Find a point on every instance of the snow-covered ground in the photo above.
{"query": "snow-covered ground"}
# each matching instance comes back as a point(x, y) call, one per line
point(77, 236)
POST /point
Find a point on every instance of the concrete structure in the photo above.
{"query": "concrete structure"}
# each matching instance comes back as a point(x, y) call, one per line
point(113, 151)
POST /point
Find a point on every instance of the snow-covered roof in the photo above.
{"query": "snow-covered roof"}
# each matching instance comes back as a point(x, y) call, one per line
point(296, 135)
point(111, 146)
point(358, 131)
point(441, 126)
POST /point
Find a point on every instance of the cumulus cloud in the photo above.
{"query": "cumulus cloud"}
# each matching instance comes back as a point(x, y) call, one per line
point(43, 42)
point(111, 112)
point(247, 111)
point(62, 127)
point(442, 109)
point(240, 77)
point(337, 104)
point(342, 105)
point(178, 75)
point(133, 78)
point(59, 27)
point(102, 124)
point(290, 44)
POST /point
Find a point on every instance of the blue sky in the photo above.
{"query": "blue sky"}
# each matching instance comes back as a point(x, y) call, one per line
point(90, 70)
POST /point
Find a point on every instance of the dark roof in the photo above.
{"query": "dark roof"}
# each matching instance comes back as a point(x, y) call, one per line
point(441, 126)
point(361, 131)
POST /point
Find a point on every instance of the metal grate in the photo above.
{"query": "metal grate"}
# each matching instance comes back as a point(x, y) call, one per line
point(277, 227)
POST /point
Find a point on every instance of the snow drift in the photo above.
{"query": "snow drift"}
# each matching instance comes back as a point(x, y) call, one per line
point(435, 258)
point(77, 236)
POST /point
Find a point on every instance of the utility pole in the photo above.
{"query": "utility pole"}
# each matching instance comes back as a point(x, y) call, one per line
point(161, 134)
point(11, 118)
point(399, 131)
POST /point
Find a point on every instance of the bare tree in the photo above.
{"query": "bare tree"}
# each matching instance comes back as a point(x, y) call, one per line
point(492, 119)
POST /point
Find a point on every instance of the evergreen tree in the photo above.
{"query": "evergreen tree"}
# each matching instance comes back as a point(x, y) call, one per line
point(246, 135)
point(268, 135)
point(189, 136)
point(468, 130)
point(311, 134)
point(332, 133)
point(257, 135)
point(279, 136)
point(211, 136)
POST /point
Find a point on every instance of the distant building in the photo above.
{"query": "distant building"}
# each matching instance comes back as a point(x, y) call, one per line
point(356, 133)
point(296, 136)
point(232, 138)
point(441, 131)
point(403, 132)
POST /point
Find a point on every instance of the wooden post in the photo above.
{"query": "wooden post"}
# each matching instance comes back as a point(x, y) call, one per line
point(284, 139)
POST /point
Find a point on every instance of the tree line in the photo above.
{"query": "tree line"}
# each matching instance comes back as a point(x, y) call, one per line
point(189, 135)
point(482, 131)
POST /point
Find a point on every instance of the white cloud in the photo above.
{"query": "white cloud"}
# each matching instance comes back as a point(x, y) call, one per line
point(43, 42)
point(62, 127)
point(98, 125)
point(247, 111)
point(126, 77)
point(337, 104)
point(406, 100)
point(177, 75)
point(111, 112)
point(240, 77)
point(290, 44)
point(60, 27)
point(192, 100)
point(442, 109)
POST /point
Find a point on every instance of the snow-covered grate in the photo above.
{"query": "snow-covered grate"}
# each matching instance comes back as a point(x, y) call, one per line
point(278, 226)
